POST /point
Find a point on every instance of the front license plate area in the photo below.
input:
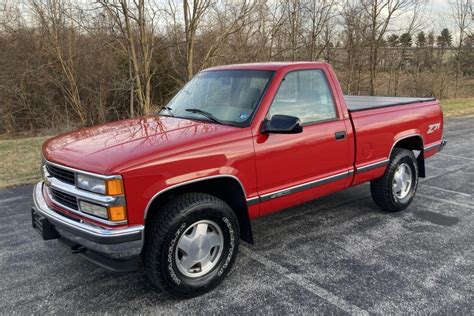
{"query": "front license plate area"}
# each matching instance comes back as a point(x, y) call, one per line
point(43, 226)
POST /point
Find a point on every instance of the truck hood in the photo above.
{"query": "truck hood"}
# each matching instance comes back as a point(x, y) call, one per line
point(113, 147)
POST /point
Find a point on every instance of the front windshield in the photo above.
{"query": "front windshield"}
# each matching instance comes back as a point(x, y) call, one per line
point(222, 96)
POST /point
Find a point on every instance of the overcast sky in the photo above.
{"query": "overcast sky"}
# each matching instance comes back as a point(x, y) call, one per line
point(441, 8)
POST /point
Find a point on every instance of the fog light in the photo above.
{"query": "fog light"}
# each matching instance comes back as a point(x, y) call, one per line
point(117, 213)
point(93, 209)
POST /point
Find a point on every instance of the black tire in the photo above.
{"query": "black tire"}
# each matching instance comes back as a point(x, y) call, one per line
point(381, 189)
point(165, 229)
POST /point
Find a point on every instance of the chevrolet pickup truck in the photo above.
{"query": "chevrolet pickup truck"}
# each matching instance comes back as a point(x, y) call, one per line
point(177, 190)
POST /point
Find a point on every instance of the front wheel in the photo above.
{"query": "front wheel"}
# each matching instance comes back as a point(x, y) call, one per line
point(396, 189)
point(191, 244)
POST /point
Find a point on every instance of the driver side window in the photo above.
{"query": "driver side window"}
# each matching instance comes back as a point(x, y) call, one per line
point(306, 95)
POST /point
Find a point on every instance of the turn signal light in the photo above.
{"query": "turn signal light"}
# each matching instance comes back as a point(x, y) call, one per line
point(114, 187)
point(117, 213)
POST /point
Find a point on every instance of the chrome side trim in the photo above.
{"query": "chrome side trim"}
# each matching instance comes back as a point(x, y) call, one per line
point(101, 176)
point(253, 201)
point(372, 166)
point(304, 186)
point(94, 233)
point(442, 145)
point(436, 145)
point(191, 182)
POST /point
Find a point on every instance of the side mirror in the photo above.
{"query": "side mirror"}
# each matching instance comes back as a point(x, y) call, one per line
point(282, 124)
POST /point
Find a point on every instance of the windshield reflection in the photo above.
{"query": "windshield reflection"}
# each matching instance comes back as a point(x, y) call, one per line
point(222, 96)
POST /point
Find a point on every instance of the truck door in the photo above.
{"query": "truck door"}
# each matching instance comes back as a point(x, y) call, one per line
point(294, 168)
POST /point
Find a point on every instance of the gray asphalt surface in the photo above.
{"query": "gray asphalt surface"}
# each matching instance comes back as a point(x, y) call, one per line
point(338, 254)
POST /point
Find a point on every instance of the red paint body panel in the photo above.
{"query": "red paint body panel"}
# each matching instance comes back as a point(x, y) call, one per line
point(156, 153)
point(286, 160)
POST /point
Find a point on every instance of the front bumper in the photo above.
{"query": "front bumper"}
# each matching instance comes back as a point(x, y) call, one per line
point(116, 249)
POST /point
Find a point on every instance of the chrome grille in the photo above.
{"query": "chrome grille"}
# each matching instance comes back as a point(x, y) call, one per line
point(64, 199)
point(61, 174)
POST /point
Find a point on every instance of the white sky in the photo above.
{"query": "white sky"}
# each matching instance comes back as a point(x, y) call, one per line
point(441, 13)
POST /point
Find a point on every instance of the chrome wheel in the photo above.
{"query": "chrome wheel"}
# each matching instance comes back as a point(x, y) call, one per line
point(402, 181)
point(199, 249)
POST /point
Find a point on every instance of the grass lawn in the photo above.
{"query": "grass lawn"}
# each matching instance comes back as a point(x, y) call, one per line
point(458, 107)
point(20, 160)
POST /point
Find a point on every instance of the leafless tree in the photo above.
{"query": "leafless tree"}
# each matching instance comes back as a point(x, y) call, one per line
point(135, 24)
point(354, 35)
point(319, 13)
point(69, 63)
point(463, 17)
point(379, 14)
point(413, 23)
point(193, 12)
point(60, 40)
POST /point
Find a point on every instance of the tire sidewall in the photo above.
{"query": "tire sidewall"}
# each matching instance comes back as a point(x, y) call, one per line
point(188, 287)
point(411, 162)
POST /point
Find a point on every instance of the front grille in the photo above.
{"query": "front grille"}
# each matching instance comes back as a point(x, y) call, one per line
point(64, 199)
point(61, 174)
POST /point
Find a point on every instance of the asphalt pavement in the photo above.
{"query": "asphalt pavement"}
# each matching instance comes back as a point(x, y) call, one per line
point(337, 255)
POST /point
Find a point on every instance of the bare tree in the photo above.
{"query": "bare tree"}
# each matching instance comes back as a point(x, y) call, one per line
point(193, 13)
point(59, 35)
point(354, 35)
point(415, 21)
point(319, 13)
point(137, 40)
point(71, 63)
point(231, 19)
point(463, 17)
point(379, 14)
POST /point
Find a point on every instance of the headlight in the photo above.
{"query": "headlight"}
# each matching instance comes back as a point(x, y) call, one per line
point(90, 183)
point(101, 186)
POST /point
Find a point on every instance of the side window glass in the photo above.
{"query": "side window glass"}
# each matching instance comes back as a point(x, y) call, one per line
point(304, 94)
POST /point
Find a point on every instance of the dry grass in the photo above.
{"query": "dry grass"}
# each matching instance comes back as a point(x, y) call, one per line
point(458, 107)
point(20, 160)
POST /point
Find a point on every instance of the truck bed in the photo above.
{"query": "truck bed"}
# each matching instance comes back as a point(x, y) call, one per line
point(361, 103)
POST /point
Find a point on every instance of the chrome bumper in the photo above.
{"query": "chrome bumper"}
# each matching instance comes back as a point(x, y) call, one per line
point(438, 146)
point(443, 143)
point(114, 243)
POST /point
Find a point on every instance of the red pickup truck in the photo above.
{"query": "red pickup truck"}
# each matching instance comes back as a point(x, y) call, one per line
point(179, 189)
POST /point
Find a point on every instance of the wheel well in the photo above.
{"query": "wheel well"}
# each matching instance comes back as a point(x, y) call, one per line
point(225, 188)
point(414, 143)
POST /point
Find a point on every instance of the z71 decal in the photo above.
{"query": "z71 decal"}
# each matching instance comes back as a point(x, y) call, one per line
point(433, 127)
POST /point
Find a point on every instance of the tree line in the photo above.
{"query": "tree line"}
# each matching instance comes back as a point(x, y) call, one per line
point(66, 64)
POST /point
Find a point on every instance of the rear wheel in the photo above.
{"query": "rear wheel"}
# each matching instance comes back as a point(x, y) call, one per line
point(396, 189)
point(191, 244)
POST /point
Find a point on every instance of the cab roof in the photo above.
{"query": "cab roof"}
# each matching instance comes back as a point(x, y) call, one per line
point(274, 66)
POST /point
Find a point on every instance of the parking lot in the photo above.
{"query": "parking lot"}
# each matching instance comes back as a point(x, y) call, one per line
point(338, 254)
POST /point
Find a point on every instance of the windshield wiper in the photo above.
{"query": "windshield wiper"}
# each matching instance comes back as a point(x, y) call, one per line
point(206, 114)
point(167, 108)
